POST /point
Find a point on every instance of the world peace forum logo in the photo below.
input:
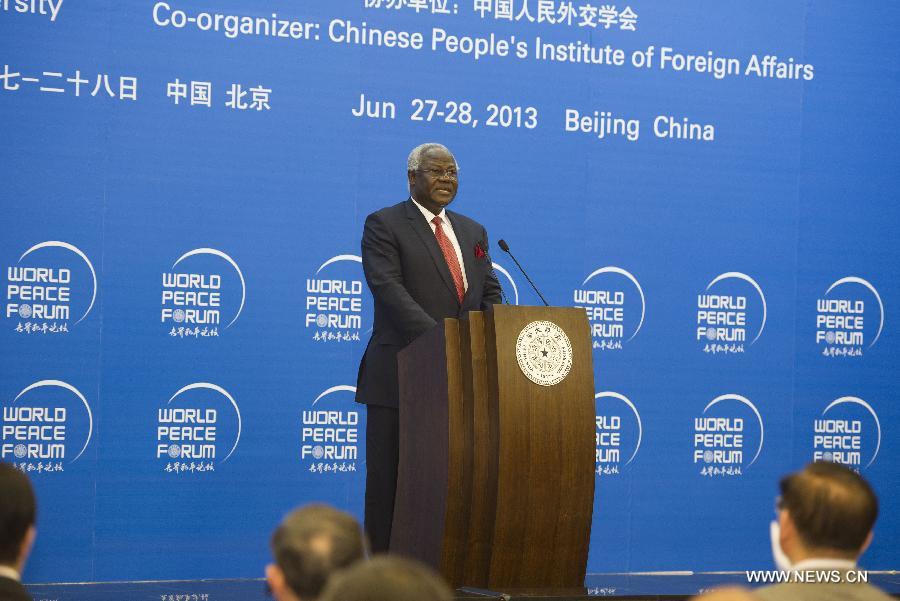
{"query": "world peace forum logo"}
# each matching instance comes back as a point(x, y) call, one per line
point(198, 429)
point(849, 315)
point(506, 279)
point(46, 427)
point(202, 294)
point(52, 287)
point(728, 436)
point(615, 306)
point(731, 314)
point(618, 433)
point(848, 432)
point(338, 307)
point(329, 433)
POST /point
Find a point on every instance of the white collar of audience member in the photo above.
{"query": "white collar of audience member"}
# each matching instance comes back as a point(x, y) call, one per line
point(820, 563)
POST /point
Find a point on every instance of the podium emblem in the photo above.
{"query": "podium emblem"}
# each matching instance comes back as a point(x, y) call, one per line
point(544, 353)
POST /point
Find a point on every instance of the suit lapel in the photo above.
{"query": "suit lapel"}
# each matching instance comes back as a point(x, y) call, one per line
point(423, 229)
point(467, 248)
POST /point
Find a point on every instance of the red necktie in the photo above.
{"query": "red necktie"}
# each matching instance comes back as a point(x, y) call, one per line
point(450, 257)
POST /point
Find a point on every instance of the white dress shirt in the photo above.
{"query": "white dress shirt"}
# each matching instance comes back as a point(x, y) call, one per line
point(824, 563)
point(448, 231)
point(10, 572)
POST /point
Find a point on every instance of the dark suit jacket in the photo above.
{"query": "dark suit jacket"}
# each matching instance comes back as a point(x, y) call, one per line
point(821, 592)
point(10, 590)
point(413, 289)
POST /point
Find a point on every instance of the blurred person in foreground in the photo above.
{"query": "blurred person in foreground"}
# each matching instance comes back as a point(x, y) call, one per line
point(308, 546)
point(826, 513)
point(17, 515)
point(387, 578)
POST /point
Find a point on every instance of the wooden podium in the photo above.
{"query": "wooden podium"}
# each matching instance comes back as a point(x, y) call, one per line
point(496, 475)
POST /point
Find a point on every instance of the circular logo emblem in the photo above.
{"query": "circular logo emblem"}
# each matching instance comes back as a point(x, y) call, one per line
point(25, 311)
point(544, 353)
point(20, 451)
point(174, 451)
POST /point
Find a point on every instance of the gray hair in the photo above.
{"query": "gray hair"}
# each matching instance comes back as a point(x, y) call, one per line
point(415, 157)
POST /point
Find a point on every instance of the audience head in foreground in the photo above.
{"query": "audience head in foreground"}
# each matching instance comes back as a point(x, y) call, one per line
point(826, 513)
point(17, 516)
point(825, 510)
point(308, 546)
point(387, 578)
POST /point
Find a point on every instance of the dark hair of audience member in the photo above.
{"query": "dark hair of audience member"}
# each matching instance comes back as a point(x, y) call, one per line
point(314, 541)
point(18, 511)
point(387, 578)
point(831, 506)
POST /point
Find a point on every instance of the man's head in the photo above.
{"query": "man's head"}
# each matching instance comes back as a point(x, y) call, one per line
point(17, 515)
point(387, 578)
point(433, 177)
point(308, 545)
point(826, 510)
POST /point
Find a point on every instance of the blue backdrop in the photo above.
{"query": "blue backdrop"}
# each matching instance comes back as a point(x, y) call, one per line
point(184, 187)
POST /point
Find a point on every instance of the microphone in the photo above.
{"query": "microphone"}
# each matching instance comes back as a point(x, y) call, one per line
point(505, 248)
point(494, 273)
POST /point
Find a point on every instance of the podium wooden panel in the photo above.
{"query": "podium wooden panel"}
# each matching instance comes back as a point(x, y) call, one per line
point(496, 475)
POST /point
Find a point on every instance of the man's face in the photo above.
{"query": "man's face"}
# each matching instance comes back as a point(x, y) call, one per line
point(435, 182)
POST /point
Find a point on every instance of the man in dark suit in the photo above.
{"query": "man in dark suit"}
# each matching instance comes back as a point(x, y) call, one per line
point(826, 513)
point(422, 264)
point(17, 514)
